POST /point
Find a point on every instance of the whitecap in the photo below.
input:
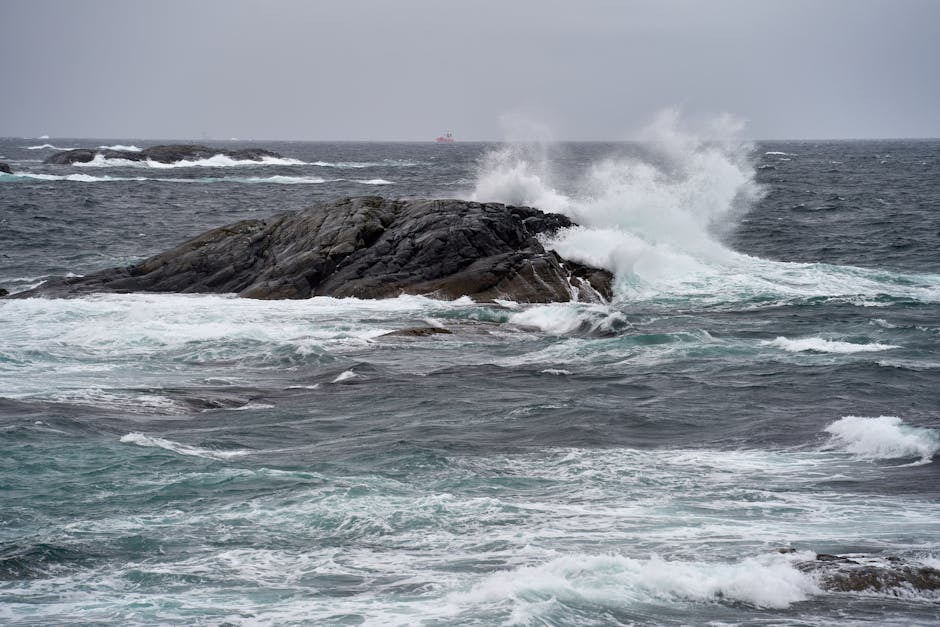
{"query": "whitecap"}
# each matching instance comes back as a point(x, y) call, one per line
point(344, 376)
point(883, 437)
point(821, 345)
point(374, 182)
point(183, 449)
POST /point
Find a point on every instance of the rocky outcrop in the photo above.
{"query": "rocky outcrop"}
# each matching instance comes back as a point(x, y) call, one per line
point(5, 168)
point(867, 573)
point(366, 247)
point(161, 154)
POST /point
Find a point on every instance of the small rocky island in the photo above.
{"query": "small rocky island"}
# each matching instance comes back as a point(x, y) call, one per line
point(365, 247)
point(170, 153)
point(5, 168)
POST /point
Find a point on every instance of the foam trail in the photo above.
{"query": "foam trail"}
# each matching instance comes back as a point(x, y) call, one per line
point(183, 449)
point(374, 182)
point(884, 437)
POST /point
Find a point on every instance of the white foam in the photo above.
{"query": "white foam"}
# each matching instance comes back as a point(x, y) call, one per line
point(46, 147)
point(768, 582)
point(884, 437)
point(821, 345)
point(77, 178)
point(655, 221)
point(346, 375)
point(183, 449)
point(121, 147)
point(216, 161)
point(279, 178)
point(374, 182)
point(779, 154)
point(558, 372)
point(356, 165)
point(565, 318)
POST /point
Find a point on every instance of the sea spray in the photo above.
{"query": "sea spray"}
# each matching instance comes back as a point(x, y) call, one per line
point(657, 219)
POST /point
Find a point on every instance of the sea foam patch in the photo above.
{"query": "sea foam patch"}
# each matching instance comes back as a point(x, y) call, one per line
point(821, 345)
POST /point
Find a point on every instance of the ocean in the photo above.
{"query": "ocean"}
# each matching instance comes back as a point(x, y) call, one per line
point(767, 377)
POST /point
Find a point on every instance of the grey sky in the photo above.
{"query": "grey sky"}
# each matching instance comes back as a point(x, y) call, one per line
point(410, 69)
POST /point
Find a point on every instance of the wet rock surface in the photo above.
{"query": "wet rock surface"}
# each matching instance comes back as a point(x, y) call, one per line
point(867, 573)
point(170, 153)
point(365, 247)
point(5, 168)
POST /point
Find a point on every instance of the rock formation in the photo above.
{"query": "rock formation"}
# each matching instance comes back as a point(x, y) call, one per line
point(366, 247)
point(5, 168)
point(868, 573)
point(161, 154)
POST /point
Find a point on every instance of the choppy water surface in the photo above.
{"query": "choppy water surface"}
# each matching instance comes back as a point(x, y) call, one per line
point(766, 378)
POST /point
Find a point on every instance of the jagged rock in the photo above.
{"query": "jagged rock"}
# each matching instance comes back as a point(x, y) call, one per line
point(5, 168)
point(162, 154)
point(866, 573)
point(3, 292)
point(366, 247)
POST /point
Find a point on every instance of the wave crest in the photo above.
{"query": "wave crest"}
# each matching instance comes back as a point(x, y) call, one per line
point(884, 437)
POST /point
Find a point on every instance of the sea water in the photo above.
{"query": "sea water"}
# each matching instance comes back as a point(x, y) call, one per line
point(766, 377)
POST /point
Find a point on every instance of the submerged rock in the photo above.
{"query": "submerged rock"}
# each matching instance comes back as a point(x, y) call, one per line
point(162, 154)
point(367, 247)
point(417, 332)
point(5, 168)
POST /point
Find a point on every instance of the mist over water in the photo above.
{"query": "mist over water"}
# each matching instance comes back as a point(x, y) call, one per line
point(765, 378)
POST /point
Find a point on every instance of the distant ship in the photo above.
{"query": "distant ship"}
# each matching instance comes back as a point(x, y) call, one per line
point(446, 138)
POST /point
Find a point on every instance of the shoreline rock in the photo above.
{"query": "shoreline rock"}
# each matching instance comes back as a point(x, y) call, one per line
point(869, 573)
point(5, 168)
point(365, 247)
point(169, 153)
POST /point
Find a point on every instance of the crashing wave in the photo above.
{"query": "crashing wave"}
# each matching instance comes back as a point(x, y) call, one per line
point(883, 437)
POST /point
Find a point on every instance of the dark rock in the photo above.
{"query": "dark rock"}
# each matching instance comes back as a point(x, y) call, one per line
point(860, 573)
point(417, 332)
point(5, 168)
point(366, 247)
point(3, 292)
point(161, 154)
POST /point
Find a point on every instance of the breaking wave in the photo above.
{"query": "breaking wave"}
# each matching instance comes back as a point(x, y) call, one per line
point(656, 220)
point(884, 437)
point(766, 582)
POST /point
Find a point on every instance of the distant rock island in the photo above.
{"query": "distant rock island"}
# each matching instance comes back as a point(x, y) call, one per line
point(170, 153)
point(5, 168)
point(365, 247)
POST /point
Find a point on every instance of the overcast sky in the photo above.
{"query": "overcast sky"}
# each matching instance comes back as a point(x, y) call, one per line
point(411, 69)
